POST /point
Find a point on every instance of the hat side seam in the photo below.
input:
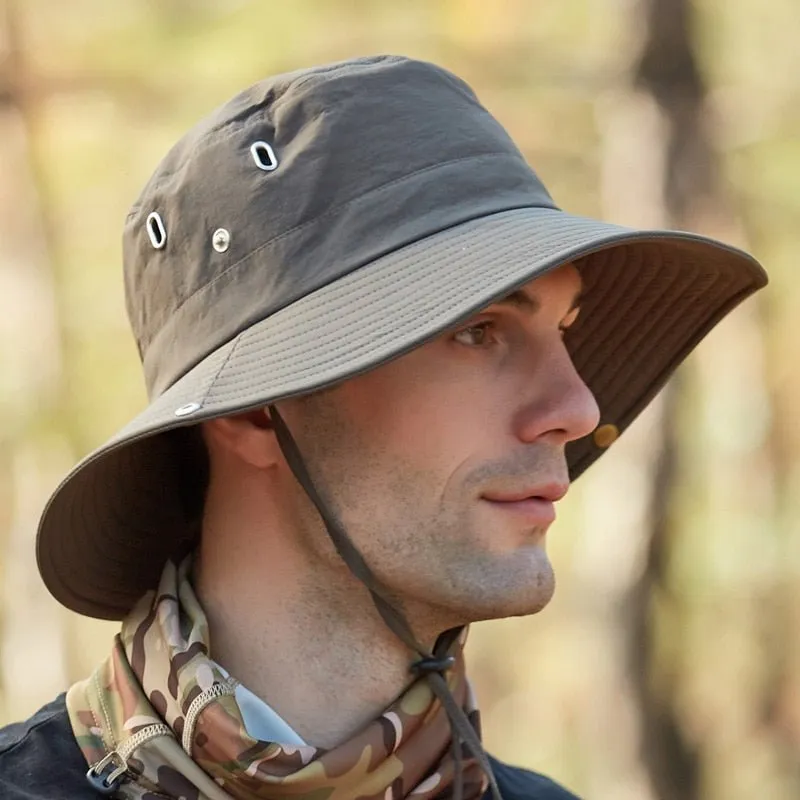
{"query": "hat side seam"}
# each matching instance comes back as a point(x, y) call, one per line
point(220, 369)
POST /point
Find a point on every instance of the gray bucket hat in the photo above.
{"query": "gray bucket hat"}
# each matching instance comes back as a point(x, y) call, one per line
point(318, 225)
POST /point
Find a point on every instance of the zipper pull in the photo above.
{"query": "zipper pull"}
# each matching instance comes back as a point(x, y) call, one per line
point(106, 775)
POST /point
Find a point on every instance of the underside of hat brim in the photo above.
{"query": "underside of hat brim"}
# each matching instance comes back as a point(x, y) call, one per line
point(649, 298)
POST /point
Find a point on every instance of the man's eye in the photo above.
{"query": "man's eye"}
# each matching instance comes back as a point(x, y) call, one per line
point(476, 335)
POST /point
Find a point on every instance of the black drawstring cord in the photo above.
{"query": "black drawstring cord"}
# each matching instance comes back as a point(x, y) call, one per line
point(458, 768)
point(430, 665)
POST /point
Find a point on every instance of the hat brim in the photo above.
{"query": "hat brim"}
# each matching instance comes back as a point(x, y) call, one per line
point(649, 298)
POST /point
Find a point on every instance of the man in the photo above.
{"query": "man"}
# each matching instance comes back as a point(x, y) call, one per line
point(377, 354)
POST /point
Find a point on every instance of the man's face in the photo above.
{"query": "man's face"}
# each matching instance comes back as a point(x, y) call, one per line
point(418, 456)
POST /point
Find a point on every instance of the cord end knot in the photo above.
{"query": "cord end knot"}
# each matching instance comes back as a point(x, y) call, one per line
point(429, 664)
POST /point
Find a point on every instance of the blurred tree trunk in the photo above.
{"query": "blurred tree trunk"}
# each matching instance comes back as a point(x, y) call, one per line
point(661, 169)
point(32, 652)
point(668, 72)
point(667, 117)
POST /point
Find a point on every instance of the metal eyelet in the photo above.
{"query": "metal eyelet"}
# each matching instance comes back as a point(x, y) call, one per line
point(221, 240)
point(264, 156)
point(186, 410)
point(156, 230)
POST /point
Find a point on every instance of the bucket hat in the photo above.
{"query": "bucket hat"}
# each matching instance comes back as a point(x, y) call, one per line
point(318, 225)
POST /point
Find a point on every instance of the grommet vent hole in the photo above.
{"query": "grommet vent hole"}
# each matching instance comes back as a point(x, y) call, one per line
point(264, 156)
point(156, 230)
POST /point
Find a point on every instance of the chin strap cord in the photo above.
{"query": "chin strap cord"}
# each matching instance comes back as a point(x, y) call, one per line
point(430, 666)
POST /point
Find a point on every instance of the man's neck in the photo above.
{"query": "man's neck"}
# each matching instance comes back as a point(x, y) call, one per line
point(314, 649)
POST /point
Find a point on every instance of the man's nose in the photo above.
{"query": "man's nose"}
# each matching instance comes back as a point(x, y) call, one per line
point(561, 407)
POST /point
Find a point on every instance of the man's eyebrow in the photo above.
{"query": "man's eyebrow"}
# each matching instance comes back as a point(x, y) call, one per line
point(521, 300)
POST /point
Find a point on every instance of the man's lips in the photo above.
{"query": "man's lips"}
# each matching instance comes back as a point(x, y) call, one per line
point(553, 492)
point(536, 504)
point(534, 510)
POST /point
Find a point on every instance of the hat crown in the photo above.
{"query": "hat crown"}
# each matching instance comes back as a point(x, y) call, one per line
point(369, 155)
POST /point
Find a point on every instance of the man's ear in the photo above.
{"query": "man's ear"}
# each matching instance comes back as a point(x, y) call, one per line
point(248, 437)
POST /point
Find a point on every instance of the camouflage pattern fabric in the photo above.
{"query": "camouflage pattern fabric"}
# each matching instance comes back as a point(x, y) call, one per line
point(168, 712)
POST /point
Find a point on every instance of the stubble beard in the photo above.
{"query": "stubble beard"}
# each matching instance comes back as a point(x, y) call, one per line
point(442, 572)
point(429, 550)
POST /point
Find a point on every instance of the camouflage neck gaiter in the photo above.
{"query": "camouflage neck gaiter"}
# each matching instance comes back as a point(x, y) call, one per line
point(159, 719)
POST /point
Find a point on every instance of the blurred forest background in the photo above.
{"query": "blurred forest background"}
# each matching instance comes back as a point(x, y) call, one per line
point(668, 665)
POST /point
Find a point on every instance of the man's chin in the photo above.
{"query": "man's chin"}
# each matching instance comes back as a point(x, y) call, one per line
point(530, 581)
point(514, 584)
point(533, 601)
point(521, 593)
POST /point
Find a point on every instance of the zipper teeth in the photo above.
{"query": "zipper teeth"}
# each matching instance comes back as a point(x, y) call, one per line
point(197, 705)
point(126, 748)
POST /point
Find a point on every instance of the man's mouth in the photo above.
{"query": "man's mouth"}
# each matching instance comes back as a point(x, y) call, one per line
point(536, 504)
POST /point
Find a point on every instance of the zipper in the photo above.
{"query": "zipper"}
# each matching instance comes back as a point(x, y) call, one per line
point(125, 750)
point(106, 775)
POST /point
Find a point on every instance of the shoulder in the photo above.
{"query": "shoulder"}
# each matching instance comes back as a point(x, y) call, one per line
point(516, 783)
point(40, 760)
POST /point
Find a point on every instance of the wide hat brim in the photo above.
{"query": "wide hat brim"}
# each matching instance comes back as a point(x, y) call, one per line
point(649, 298)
